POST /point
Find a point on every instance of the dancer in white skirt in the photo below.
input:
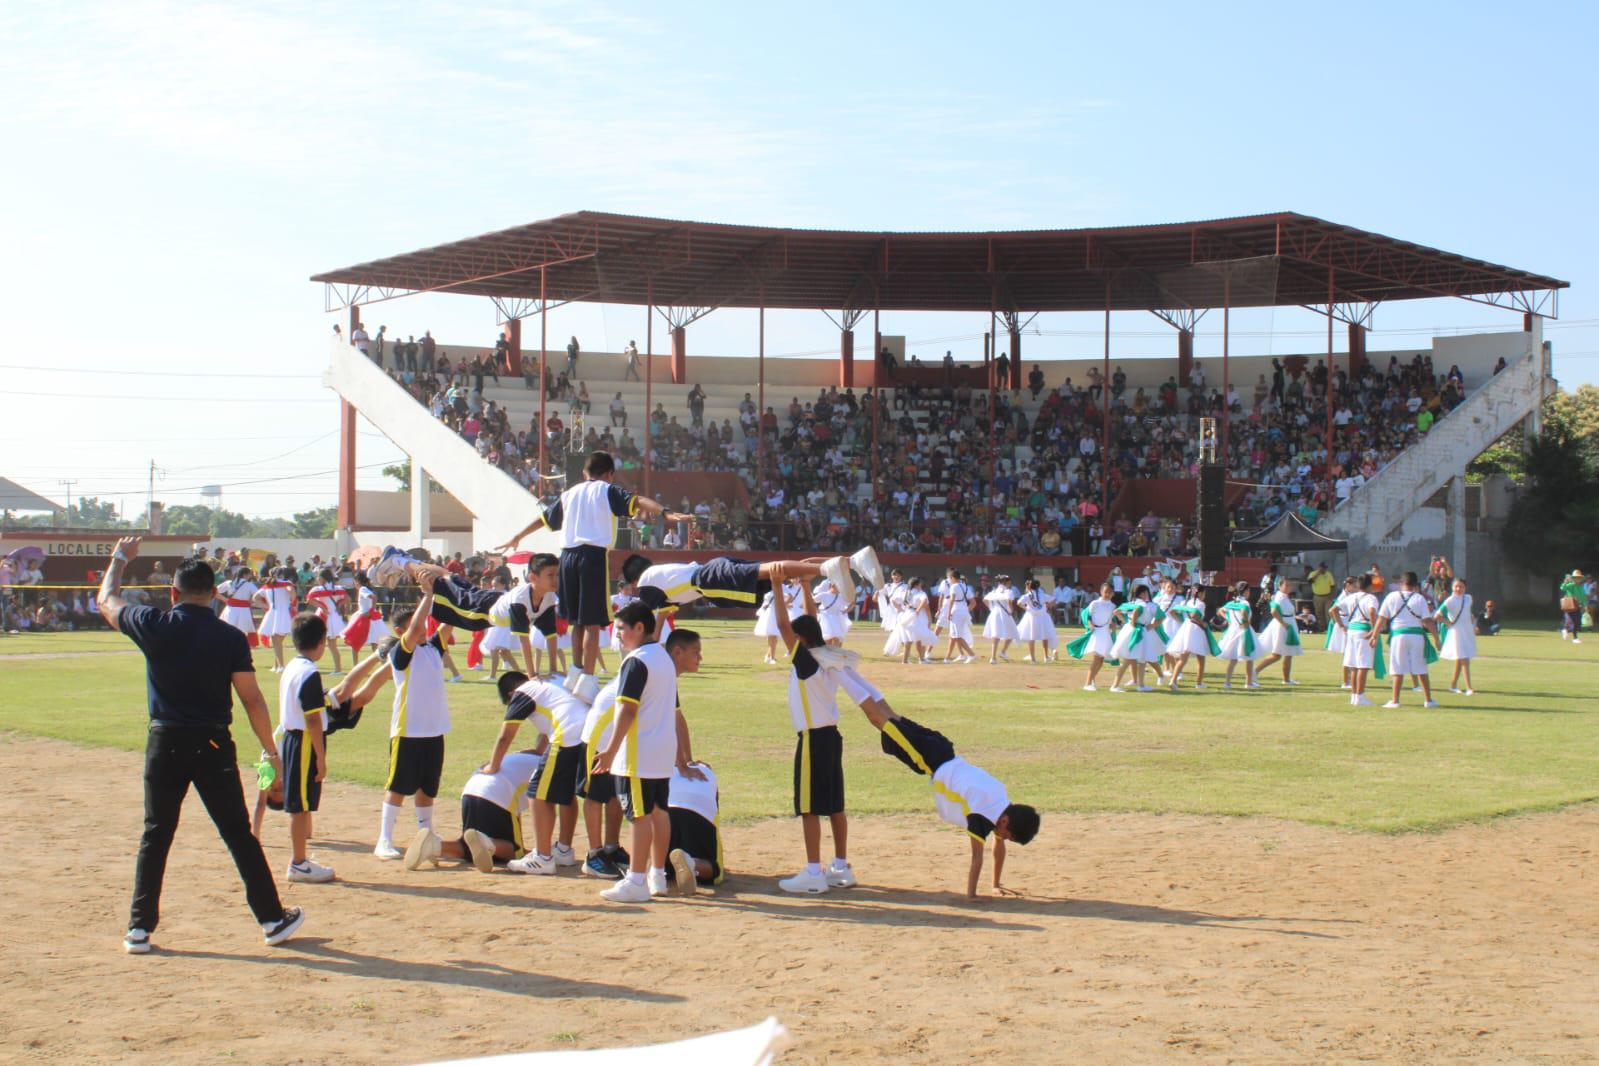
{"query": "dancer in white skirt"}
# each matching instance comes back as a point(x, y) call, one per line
point(1098, 618)
point(498, 641)
point(366, 625)
point(1237, 643)
point(913, 628)
point(1170, 620)
point(1001, 625)
point(1362, 650)
point(1279, 641)
point(766, 626)
point(1193, 639)
point(327, 599)
point(1459, 631)
point(1338, 625)
point(1138, 641)
point(236, 594)
point(832, 613)
point(277, 598)
point(955, 613)
point(1036, 626)
point(1405, 617)
point(886, 611)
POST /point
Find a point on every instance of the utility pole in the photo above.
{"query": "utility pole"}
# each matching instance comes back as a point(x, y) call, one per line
point(67, 515)
point(149, 499)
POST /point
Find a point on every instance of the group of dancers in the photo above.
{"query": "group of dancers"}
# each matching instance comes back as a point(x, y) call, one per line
point(916, 617)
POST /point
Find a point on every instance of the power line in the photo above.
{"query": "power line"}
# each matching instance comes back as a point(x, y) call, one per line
point(98, 372)
point(168, 399)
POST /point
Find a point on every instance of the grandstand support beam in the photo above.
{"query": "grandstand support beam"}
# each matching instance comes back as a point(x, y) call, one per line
point(513, 347)
point(877, 396)
point(679, 355)
point(760, 392)
point(346, 508)
point(846, 359)
point(1226, 377)
point(1183, 320)
point(1332, 287)
point(649, 381)
point(1357, 349)
point(544, 360)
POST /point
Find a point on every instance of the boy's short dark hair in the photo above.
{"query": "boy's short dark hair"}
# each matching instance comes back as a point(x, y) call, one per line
point(194, 576)
point(509, 682)
point(541, 561)
point(680, 638)
point(809, 630)
point(402, 620)
point(1022, 821)
point(636, 613)
point(307, 631)
point(599, 464)
point(633, 568)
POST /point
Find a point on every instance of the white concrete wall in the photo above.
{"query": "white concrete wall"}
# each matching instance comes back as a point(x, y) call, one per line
point(392, 510)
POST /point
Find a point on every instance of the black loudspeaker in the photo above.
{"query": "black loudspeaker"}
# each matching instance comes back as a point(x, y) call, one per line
point(1211, 519)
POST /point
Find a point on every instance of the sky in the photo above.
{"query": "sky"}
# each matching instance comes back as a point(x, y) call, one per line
point(175, 173)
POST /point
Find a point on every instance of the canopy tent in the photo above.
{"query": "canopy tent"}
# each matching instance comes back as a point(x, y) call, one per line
point(1288, 534)
point(14, 497)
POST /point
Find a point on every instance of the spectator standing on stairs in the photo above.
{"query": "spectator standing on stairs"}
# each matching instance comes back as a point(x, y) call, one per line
point(631, 351)
point(696, 405)
point(571, 357)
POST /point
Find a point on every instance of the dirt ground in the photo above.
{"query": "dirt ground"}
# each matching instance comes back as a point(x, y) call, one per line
point(1140, 938)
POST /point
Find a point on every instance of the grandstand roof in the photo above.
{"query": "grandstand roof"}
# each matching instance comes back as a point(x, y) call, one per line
point(1260, 260)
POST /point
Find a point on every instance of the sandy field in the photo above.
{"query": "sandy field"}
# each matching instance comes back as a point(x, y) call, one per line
point(1140, 938)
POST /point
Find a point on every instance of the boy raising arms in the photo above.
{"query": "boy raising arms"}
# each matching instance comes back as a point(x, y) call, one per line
point(420, 720)
point(819, 748)
point(646, 743)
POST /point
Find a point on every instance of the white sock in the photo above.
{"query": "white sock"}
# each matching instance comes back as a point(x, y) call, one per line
point(840, 864)
point(813, 868)
point(391, 814)
point(658, 872)
point(424, 817)
point(635, 877)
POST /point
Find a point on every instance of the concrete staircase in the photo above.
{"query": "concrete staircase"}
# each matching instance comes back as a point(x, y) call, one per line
point(499, 505)
point(1383, 504)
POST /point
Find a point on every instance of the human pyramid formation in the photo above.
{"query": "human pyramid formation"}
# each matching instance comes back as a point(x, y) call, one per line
point(623, 749)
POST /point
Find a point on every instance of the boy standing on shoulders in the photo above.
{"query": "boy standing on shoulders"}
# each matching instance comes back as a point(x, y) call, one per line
point(419, 722)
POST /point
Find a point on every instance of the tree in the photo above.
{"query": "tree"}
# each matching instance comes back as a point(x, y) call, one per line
point(88, 512)
point(317, 524)
point(197, 520)
point(400, 472)
point(1550, 527)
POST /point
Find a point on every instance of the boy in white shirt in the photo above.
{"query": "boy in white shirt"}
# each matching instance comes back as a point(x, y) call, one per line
point(558, 715)
point(646, 744)
point(417, 727)
point(491, 818)
point(302, 746)
point(694, 806)
point(729, 582)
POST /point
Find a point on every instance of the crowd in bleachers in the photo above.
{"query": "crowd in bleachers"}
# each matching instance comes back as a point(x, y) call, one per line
point(956, 468)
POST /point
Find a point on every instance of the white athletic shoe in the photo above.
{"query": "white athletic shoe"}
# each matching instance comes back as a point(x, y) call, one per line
point(1004, 657)
point(533, 863)
point(385, 849)
point(656, 882)
point(1199, 684)
point(1390, 706)
point(683, 872)
point(927, 659)
point(1456, 691)
point(1090, 688)
point(136, 942)
point(310, 873)
point(839, 876)
point(425, 847)
point(1576, 640)
point(626, 891)
point(805, 884)
point(836, 570)
point(1354, 701)
point(1430, 703)
point(864, 563)
point(1144, 688)
point(1290, 681)
point(1346, 686)
point(275, 933)
point(770, 661)
point(481, 848)
point(564, 855)
point(1028, 659)
point(1468, 692)
point(1365, 700)
point(1226, 684)
point(1116, 688)
point(1172, 687)
point(1253, 684)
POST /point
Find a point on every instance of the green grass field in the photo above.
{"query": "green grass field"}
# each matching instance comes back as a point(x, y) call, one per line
point(1527, 741)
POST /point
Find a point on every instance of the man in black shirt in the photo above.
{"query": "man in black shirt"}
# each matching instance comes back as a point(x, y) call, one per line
point(195, 662)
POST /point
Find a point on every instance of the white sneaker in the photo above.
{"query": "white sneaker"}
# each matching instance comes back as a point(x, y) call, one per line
point(1004, 657)
point(626, 891)
point(1390, 706)
point(1430, 703)
point(385, 849)
point(310, 873)
point(1199, 684)
point(805, 884)
point(1226, 684)
point(1456, 691)
point(275, 933)
point(1346, 686)
point(839, 876)
point(1468, 692)
point(1354, 701)
point(1028, 659)
point(136, 942)
point(770, 661)
point(655, 881)
point(1090, 688)
point(1116, 688)
point(836, 570)
point(481, 848)
point(424, 847)
point(683, 872)
point(1144, 688)
point(864, 563)
point(1253, 684)
point(1365, 700)
point(1576, 640)
point(533, 863)
point(1290, 681)
point(564, 855)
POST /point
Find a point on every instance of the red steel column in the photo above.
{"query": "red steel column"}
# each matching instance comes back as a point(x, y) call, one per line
point(877, 399)
point(760, 386)
point(846, 359)
point(649, 377)
point(679, 355)
point(1015, 358)
point(1104, 419)
point(346, 510)
point(544, 358)
point(1185, 357)
point(513, 347)
point(1226, 381)
point(1357, 350)
point(1327, 462)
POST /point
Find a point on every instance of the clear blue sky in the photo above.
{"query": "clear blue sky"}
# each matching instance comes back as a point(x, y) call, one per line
point(175, 172)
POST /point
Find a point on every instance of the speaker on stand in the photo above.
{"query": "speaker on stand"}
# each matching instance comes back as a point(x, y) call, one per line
point(1211, 504)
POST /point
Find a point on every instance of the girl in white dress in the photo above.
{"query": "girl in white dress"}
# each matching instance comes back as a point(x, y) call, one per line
point(1459, 628)
point(1237, 644)
point(766, 626)
point(1098, 618)
point(1001, 625)
point(236, 596)
point(832, 613)
point(1193, 638)
point(1359, 613)
point(1338, 625)
point(1279, 641)
point(886, 611)
point(1170, 620)
point(956, 613)
point(1405, 617)
point(498, 641)
point(1036, 625)
point(913, 628)
point(327, 599)
point(277, 597)
point(1138, 643)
